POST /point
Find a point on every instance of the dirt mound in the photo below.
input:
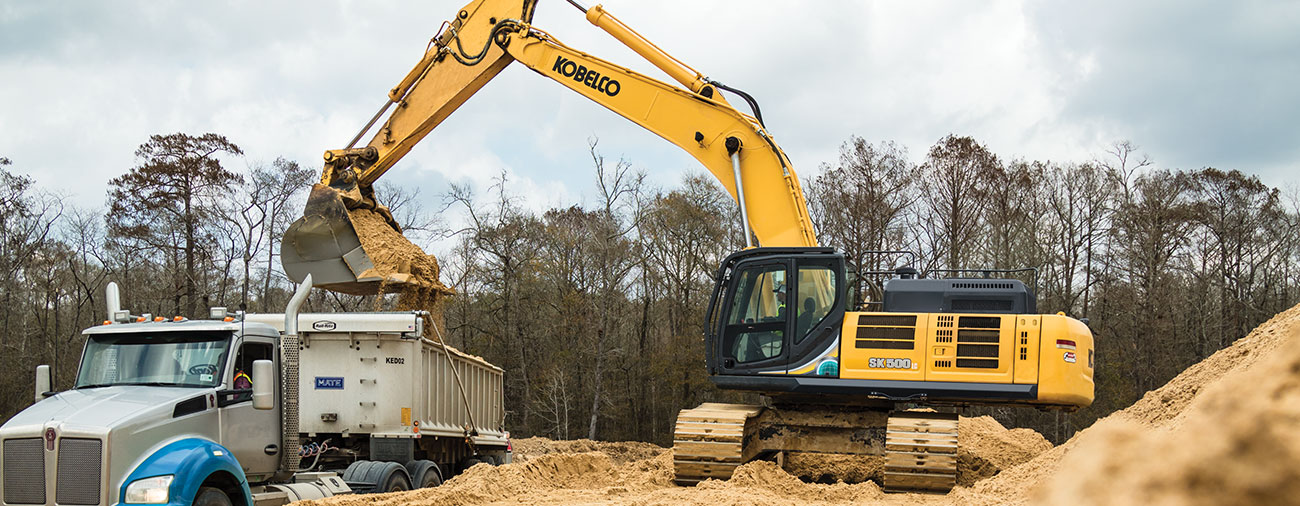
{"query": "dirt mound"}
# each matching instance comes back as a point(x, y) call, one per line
point(1167, 402)
point(554, 478)
point(762, 482)
point(829, 468)
point(1235, 442)
point(621, 452)
point(1219, 433)
point(985, 448)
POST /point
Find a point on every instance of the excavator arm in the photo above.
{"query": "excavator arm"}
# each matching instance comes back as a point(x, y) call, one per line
point(483, 39)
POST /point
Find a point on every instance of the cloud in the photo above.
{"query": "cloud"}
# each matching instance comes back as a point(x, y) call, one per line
point(1192, 83)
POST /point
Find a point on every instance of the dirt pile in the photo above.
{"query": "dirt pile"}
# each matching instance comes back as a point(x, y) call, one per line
point(985, 448)
point(621, 452)
point(1222, 432)
point(558, 478)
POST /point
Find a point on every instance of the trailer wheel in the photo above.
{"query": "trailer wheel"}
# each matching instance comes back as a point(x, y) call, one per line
point(424, 473)
point(211, 496)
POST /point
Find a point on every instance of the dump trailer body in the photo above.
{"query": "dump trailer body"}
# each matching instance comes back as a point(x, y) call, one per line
point(375, 374)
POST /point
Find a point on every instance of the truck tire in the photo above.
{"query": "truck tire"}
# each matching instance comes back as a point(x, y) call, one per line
point(356, 476)
point(210, 496)
point(469, 462)
point(424, 473)
point(362, 476)
point(392, 477)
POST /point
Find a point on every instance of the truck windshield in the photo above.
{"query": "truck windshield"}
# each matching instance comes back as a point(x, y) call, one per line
point(188, 359)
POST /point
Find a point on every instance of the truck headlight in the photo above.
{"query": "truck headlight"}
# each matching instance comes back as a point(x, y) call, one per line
point(149, 490)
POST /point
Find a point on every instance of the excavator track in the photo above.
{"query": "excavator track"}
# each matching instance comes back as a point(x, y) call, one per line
point(709, 441)
point(920, 452)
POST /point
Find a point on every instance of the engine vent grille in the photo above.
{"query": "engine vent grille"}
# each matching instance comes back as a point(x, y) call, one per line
point(24, 470)
point(79, 471)
point(978, 341)
point(886, 332)
point(984, 286)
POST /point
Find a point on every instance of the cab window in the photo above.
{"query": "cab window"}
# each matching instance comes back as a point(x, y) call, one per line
point(241, 377)
point(816, 297)
point(756, 324)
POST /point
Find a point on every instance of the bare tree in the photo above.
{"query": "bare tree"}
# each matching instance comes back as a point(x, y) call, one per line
point(169, 201)
point(858, 205)
point(955, 174)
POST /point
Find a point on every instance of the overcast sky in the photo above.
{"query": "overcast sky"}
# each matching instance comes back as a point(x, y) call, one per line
point(1192, 83)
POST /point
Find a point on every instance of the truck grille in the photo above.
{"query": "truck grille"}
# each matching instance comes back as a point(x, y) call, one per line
point(79, 471)
point(24, 469)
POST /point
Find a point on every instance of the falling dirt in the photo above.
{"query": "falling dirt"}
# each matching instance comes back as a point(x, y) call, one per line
point(1222, 432)
point(395, 255)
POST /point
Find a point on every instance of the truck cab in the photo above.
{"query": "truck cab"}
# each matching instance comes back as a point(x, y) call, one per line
point(154, 416)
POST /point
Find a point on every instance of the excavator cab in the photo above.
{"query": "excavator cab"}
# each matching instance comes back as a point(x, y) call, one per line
point(774, 308)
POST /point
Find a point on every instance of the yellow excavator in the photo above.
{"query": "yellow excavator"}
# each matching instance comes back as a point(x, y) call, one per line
point(880, 378)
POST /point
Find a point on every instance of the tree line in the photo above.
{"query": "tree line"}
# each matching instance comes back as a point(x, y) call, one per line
point(596, 311)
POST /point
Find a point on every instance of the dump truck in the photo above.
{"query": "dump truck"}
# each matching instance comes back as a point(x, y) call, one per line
point(253, 409)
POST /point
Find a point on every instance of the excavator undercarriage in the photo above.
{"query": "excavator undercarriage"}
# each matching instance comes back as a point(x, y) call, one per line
point(918, 449)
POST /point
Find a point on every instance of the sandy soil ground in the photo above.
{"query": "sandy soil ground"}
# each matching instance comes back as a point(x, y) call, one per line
point(1222, 432)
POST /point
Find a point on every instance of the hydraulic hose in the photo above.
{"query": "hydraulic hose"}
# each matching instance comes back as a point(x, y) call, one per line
point(753, 104)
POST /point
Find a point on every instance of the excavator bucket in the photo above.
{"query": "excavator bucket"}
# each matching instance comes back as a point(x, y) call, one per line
point(353, 249)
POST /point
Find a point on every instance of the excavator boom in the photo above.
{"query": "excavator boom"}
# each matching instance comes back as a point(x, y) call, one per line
point(483, 39)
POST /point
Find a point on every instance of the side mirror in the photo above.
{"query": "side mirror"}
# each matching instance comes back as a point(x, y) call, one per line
point(42, 381)
point(263, 384)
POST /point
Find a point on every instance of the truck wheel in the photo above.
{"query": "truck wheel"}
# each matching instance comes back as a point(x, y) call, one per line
point(424, 473)
point(469, 462)
point(394, 479)
point(357, 474)
point(209, 496)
